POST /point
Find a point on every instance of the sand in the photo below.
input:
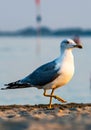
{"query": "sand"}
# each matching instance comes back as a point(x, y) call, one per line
point(39, 117)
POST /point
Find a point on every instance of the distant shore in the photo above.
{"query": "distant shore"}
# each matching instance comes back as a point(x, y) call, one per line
point(71, 116)
point(45, 31)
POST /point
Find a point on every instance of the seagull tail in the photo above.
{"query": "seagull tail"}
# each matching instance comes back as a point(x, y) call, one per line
point(16, 85)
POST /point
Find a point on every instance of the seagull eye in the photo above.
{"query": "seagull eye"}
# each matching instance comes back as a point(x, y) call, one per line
point(67, 42)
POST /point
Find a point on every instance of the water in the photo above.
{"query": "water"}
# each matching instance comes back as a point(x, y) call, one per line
point(20, 56)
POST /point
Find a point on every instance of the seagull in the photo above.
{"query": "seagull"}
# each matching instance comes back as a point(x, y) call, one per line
point(51, 75)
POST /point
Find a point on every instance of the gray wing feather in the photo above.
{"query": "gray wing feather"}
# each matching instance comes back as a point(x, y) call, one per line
point(43, 75)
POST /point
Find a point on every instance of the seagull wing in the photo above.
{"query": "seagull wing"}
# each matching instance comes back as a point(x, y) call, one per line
point(43, 75)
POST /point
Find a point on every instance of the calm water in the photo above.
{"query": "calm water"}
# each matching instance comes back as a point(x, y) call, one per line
point(20, 56)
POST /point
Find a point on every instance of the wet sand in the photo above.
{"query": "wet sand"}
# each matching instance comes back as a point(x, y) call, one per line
point(71, 116)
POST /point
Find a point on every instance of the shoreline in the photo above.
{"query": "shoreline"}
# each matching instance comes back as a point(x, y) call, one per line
point(65, 105)
point(40, 117)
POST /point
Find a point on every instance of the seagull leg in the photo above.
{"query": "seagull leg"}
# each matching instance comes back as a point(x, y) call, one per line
point(59, 99)
point(56, 97)
point(51, 96)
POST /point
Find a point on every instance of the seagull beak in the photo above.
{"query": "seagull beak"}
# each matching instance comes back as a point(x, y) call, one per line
point(78, 46)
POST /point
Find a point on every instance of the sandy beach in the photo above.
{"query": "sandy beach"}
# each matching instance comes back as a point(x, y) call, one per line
point(39, 117)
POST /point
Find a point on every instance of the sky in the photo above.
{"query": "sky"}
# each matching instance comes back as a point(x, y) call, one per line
point(18, 14)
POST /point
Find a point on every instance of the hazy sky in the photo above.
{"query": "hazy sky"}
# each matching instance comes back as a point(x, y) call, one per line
point(16, 14)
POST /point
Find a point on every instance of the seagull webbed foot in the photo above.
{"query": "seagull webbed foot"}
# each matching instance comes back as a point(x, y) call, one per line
point(60, 99)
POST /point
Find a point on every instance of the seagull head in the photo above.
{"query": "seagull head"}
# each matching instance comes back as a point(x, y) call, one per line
point(69, 44)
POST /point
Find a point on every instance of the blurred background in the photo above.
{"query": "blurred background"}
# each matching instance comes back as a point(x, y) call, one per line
point(30, 35)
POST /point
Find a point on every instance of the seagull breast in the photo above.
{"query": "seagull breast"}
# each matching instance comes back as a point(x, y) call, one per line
point(66, 71)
